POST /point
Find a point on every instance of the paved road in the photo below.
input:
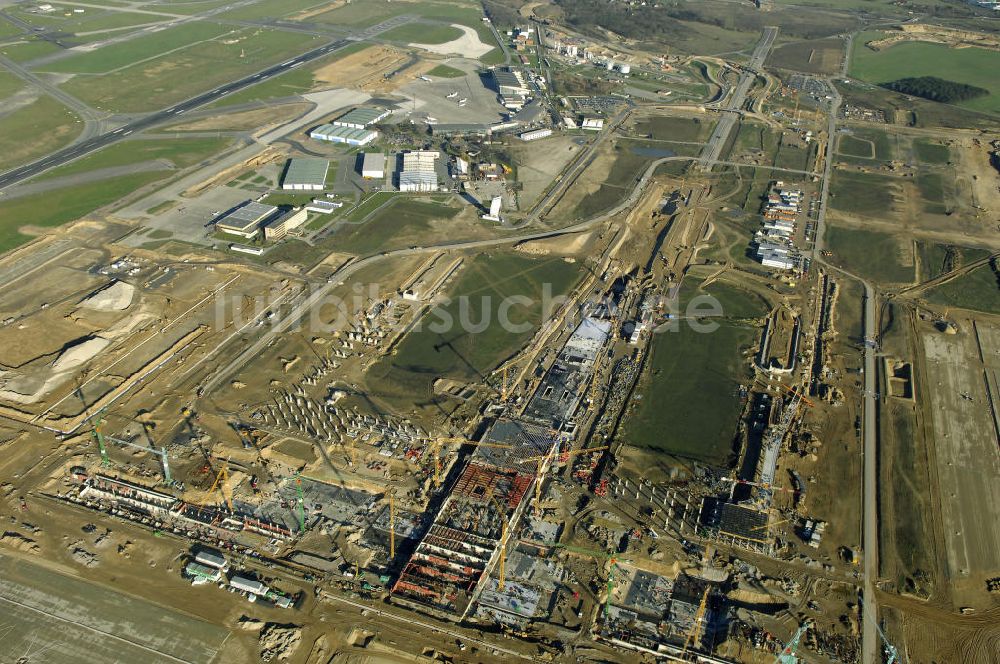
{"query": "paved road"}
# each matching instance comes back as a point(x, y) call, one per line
point(870, 640)
point(88, 146)
point(869, 611)
point(730, 112)
point(318, 296)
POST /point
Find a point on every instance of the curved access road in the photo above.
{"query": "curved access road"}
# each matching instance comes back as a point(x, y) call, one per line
point(306, 302)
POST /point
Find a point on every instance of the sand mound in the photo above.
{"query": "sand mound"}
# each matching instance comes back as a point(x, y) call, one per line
point(79, 353)
point(116, 296)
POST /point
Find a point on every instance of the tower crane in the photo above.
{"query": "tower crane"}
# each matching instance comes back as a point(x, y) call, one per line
point(99, 437)
point(503, 543)
point(300, 502)
point(392, 525)
point(542, 468)
point(160, 452)
point(787, 655)
point(611, 559)
point(698, 628)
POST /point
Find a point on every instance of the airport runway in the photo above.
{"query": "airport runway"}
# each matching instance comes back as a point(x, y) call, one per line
point(90, 145)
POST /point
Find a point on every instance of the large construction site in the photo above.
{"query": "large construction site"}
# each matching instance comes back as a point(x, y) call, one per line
point(446, 365)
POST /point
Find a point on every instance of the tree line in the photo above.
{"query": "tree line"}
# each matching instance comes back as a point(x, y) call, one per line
point(935, 89)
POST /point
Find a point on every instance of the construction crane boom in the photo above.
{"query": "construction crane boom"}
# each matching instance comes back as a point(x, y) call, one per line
point(99, 437)
point(503, 543)
point(161, 452)
point(698, 628)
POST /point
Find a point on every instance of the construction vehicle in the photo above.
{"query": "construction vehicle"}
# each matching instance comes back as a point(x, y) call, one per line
point(220, 482)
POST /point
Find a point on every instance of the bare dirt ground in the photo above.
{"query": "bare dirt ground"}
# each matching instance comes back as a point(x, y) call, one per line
point(967, 458)
point(539, 162)
point(365, 70)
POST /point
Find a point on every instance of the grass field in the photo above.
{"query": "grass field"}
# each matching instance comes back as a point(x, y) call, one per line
point(819, 56)
point(91, 20)
point(28, 50)
point(167, 79)
point(181, 152)
point(425, 354)
point(9, 84)
point(669, 128)
point(932, 190)
point(273, 9)
point(853, 146)
point(627, 167)
point(871, 254)
point(58, 207)
point(978, 290)
point(690, 406)
point(929, 152)
point(401, 223)
point(972, 66)
point(444, 71)
point(866, 194)
point(49, 125)
point(295, 82)
point(132, 51)
point(419, 33)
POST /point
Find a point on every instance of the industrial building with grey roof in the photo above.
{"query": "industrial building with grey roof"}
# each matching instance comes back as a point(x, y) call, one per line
point(305, 174)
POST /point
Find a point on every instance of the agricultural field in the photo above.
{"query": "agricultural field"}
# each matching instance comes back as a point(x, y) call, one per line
point(972, 66)
point(978, 290)
point(821, 56)
point(865, 194)
point(675, 128)
point(689, 406)
point(873, 255)
point(425, 355)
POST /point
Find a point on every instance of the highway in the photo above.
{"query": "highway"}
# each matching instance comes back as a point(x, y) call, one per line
point(90, 145)
point(730, 112)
